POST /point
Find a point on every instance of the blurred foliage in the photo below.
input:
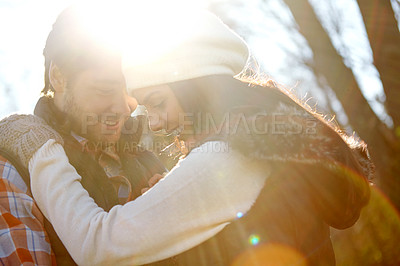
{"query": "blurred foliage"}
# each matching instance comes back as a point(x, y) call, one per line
point(374, 239)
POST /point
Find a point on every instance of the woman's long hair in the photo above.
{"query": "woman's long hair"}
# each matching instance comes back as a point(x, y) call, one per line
point(219, 94)
point(326, 158)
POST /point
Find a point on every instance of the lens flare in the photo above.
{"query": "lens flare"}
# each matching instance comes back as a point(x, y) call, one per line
point(254, 240)
point(270, 254)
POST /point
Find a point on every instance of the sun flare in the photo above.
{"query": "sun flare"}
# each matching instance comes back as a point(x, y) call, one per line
point(141, 25)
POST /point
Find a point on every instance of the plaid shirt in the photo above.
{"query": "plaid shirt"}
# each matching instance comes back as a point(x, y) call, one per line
point(23, 239)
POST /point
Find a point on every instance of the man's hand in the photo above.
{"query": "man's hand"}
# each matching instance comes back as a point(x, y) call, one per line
point(152, 181)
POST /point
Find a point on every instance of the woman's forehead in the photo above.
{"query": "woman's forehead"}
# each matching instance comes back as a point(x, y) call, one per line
point(143, 95)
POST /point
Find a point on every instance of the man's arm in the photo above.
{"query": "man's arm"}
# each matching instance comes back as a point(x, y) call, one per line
point(22, 235)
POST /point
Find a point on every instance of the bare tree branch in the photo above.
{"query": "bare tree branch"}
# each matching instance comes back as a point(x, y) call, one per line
point(327, 62)
point(384, 38)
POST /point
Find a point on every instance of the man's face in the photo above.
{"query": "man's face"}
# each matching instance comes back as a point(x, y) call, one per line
point(96, 103)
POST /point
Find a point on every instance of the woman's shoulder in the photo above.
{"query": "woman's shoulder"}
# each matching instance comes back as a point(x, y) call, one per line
point(213, 153)
point(212, 147)
point(219, 154)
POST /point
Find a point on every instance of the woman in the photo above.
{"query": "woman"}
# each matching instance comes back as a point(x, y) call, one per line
point(316, 179)
point(210, 189)
point(318, 174)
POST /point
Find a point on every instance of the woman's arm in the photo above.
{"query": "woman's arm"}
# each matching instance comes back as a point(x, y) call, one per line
point(193, 202)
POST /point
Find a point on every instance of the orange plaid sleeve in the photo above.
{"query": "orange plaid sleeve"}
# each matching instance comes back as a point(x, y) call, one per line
point(23, 240)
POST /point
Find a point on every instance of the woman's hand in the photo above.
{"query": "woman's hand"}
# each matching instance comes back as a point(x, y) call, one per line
point(23, 135)
point(152, 181)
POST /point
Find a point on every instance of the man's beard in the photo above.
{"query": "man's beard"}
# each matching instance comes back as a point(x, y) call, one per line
point(75, 118)
point(75, 115)
point(73, 112)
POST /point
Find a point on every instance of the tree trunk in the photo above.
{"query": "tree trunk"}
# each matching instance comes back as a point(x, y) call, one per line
point(383, 144)
point(384, 37)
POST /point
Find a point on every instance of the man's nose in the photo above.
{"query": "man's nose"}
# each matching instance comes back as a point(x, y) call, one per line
point(121, 105)
point(132, 103)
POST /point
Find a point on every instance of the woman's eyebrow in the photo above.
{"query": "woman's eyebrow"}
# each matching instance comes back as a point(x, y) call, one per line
point(106, 82)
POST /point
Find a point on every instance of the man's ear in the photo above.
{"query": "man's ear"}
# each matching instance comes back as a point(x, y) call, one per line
point(56, 78)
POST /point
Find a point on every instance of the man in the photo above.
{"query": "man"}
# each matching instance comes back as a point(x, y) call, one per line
point(86, 103)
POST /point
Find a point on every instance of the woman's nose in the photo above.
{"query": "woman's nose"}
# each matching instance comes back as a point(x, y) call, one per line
point(155, 121)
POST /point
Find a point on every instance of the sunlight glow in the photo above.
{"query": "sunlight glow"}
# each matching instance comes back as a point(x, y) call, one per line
point(25, 28)
point(142, 44)
point(145, 25)
point(272, 254)
point(29, 23)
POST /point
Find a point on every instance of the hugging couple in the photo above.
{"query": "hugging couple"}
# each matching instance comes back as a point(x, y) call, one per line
point(268, 198)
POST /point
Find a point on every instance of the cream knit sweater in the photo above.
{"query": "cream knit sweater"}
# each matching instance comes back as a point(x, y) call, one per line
point(192, 203)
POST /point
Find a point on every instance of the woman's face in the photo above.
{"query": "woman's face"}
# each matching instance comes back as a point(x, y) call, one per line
point(163, 107)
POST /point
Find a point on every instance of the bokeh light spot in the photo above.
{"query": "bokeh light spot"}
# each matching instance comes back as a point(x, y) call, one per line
point(254, 240)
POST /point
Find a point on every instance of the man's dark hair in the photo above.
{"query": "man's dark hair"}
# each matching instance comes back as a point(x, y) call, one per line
point(71, 47)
